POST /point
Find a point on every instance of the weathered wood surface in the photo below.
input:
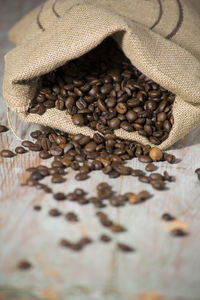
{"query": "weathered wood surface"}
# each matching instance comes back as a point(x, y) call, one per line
point(168, 265)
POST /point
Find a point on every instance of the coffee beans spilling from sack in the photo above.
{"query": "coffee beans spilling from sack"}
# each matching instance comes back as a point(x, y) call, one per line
point(104, 91)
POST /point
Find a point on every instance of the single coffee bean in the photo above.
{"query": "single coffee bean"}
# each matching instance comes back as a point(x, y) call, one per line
point(3, 128)
point(121, 108)
point(150, 167)
point(37, 207)
point(7, 153)
point(158, 184)
point(24, 265)
point(117, 228)
point(54, 212)
point(167, 217)
point(59, 196)
point(56, 178)
point(71, 217)
point(114, 123)
point(144, 159)
point(178, 233)
point(78, 120)
point(20, 150)
point(155, 154)
point(197, 171)
point(44, 154)
point(156, 176)
point(105, 238)
point(144, 179)
point(81, 176)
point(124, 248)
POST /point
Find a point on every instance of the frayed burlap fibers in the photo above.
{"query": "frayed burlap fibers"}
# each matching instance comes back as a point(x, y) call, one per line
point(160, 37)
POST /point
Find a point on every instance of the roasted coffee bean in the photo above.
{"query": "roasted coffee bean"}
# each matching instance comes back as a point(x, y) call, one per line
point(158, 184)
point(197, 171)
point(156, 176)
point(144, 159)
point(24, 265)
point(7, 153)
point(114, 123)
point(37, 207)
point(56, 178)
point(3, 128)
point(124, 248)
point(71, 217)
point(54, 212)
point(178, 233)
point(121, 108)
point(169, 158)
point(167, 217)
point(44, 154)
point(59, 196)
point(117, 228)
point(105, 238)
point(78, 120)
point(20, 150)
point(155, 154)
point(137, 173)
point(36, 175)
point(116, 201)
point(150, 167)
point(56, 151)
point(81, 176)
point(35, 134)
point(27, 144)
point(144, 179)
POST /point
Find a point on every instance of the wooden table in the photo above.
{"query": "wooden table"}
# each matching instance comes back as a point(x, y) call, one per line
point(170, 266)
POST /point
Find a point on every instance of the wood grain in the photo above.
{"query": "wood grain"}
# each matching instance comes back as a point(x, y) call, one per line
point(167, 265)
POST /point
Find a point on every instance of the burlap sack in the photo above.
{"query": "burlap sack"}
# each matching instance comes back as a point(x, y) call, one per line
point(160, 37)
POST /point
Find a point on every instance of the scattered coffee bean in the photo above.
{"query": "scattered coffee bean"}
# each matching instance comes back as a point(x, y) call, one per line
point(167, 217)
point(3, 128)
point(125, 248)
point(24, 265)
point(37, 207)
point(150, 167)
point(156, 154)
point(7, 153)
point(105, 238)
point(117, 228)
point(54, 212)
point(178, 233)
point(72, 217)
point(20, 150)
point(59, 196)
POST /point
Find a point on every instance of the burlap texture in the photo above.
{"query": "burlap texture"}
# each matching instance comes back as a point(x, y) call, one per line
point(160, 37)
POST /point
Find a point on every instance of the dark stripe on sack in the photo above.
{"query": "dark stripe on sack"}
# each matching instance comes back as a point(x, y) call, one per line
point(179, 23)
point(54, 10)
point(159, 16)
point(38, 19)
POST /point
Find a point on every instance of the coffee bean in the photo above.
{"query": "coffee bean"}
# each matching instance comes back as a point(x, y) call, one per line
point(114, 123)
point(144, 179)
point(3, 128)
point(7, 153)
point(37, 207)
point(169, 158)
point(56, 178)
point(54, 212)
point(44, 154)
point(24, 265)
point(197, 171)
point(20, 150)
point(150, 167)
point(137, 173)
point(157, 184)
point(90, 147)
point(155, 154)
point(71, 217)
point(78, 120)
point(124, 248)
point(117, 228)
point(144, 159)
point(105, 238)
point(178, 233)
point(167, 217)
point(59, 196)
point(156, 176)
point(56, 151)
point(81, 176)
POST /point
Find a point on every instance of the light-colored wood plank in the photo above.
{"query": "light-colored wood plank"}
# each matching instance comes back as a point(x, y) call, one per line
point(170, 266)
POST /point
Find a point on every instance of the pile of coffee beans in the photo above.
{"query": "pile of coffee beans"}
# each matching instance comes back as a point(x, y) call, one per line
point(83, 154)
point(104, 91)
